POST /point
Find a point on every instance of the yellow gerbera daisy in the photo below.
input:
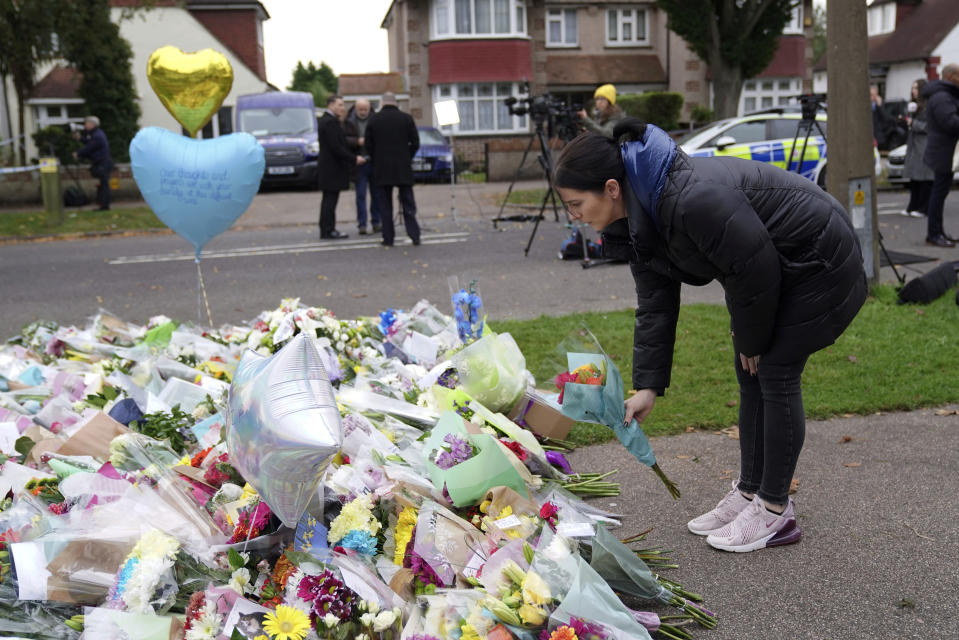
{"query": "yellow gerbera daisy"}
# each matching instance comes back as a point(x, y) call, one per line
point(287, 623)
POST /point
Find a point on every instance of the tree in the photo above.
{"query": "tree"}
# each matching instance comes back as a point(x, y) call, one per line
point(320, 81)
point(26, 41)
point(736, 38)
point(818, 31)
point(92, 43)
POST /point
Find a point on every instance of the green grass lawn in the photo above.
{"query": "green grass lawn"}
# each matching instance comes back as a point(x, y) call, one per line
point(32, 223)
point(524, 196)
point(892, 357)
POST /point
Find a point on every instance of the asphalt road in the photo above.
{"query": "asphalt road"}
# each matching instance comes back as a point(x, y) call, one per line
point(274, 252)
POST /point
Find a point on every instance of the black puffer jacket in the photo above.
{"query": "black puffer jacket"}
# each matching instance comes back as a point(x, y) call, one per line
point(942, 120)
point(783, 250)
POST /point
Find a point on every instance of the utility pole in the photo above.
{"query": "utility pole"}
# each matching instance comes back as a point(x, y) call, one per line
point(850, 175)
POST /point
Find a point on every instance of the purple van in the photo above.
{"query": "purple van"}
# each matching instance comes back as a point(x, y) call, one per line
point(284, 122)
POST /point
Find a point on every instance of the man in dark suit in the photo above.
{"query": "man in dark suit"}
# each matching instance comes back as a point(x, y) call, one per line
point(96, 149)
point(392, 141)
point(942, 126)
point(334, 165)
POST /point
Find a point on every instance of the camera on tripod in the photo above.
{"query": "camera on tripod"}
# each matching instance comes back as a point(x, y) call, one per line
point(810, 104)
point(561, 120)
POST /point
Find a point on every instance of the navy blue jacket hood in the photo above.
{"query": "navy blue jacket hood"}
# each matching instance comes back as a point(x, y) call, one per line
point(647, 163)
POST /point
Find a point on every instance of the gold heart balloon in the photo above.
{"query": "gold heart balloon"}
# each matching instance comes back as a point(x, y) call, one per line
point(191, 86)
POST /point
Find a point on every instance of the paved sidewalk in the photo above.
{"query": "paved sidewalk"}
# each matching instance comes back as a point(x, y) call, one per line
point(878, 558)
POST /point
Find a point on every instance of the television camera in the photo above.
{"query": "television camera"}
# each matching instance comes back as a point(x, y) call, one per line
point(560, 119)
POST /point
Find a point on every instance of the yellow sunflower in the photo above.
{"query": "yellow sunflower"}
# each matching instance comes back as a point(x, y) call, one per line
point(287, 623)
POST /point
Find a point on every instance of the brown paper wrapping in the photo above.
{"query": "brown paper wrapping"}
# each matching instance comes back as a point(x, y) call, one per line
point(102, 556)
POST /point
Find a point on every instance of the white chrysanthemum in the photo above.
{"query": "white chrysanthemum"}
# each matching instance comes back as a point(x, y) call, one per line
point(330, 620)
point(200, 412)
point(207, 624)
point(383, 621)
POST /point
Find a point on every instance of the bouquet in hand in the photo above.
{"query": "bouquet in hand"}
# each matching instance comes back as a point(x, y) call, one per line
point(595, 397)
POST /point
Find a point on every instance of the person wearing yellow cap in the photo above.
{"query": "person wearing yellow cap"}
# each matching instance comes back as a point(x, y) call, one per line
point(606, 113)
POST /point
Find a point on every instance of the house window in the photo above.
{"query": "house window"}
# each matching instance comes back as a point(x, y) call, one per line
point(626, 27)
point(768, 93)
point(482, 107)
point(478, 18)
point(561, 28)
point(881, 19)
point(794, 26)
point(59, 114)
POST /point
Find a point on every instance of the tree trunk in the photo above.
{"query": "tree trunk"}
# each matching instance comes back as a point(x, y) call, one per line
point(22, 142)
point(727, 85)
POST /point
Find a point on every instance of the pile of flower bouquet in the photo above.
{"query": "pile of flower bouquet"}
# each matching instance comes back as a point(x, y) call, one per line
point(123, 513)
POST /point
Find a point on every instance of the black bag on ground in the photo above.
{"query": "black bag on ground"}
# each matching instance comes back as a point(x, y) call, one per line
point(930, 285)
point(73, 196)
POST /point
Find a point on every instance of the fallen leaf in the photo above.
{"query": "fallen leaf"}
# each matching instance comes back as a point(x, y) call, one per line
point(688, 429)
point(852, 464)
point(849, 415)
point(947, 412)
point(920, 312)
point(732, 403)
point(359, 295)
point(845, 439)
point(794, 486)
point(329, 294)
point(321, 277)
point(731, 432)
point(852, 358)
point(685, 457)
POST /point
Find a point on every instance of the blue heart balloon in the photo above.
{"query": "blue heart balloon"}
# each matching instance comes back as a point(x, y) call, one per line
point(198, 188)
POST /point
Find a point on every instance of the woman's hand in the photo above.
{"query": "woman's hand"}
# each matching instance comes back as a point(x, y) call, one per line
point(639, 406)
point(749, 363)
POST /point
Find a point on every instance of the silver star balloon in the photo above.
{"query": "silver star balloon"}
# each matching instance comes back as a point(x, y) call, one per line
point(283, 425)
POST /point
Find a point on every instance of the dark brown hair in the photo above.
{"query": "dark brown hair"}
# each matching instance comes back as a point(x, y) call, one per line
point(590, 159)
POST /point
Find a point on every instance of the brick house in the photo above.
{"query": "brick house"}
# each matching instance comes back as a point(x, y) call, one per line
point(789, 74)
point(372, 86)
point(480, 52)
point(232, 27)
point(908, 39)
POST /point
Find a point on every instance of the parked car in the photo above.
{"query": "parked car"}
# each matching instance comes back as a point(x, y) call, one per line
point(897, 159)
point(767, 136)
point(284, 122)
point(434, 159)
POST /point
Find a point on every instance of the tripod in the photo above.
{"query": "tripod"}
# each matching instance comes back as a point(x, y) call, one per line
point(545, 159)
point(811, 104)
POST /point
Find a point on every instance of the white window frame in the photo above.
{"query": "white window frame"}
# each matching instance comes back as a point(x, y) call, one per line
point(42, 120)
point(518, 124)
point(781, 92)
point(881, 19)
point(795, 25)
point(637, 39)
point(561, 15)
point(443, 20)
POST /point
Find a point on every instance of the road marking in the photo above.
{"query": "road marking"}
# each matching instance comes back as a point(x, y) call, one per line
point(310, 247)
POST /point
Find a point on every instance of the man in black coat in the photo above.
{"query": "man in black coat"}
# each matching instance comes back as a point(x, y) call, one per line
point(97, 150)
point(335, 162)
point(392, 140)
point(942, 125)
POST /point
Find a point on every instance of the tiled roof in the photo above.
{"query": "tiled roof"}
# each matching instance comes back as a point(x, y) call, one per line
point(60, 82)
point(370, 84)
point(917, 34)
point(612, 68)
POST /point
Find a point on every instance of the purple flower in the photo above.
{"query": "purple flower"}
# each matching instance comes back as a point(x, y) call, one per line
point(422, 570)
point(460, 449)
point(557, 459)
point(445, 460)
point(326, 594)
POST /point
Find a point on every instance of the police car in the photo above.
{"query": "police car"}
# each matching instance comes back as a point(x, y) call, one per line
point(767, 136)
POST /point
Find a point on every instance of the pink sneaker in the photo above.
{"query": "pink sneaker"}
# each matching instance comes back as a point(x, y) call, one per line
point(757, 528)
point(725, 512)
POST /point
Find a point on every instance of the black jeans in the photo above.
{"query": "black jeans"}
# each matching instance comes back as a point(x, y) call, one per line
point(919, 195)
point(328, 212)
point(102, 173)
point(772, 427)
point(408, 204)
point(937, 200)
